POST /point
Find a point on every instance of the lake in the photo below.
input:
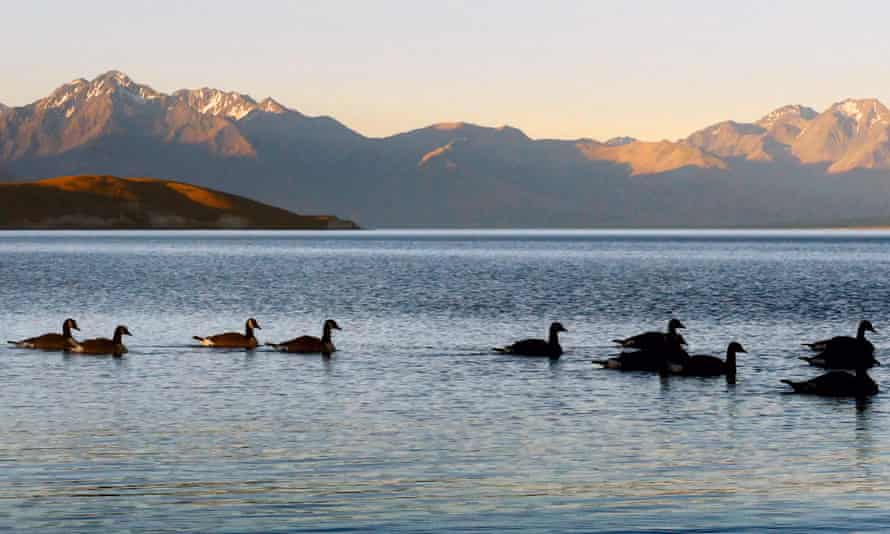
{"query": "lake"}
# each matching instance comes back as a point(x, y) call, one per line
point(415, 424)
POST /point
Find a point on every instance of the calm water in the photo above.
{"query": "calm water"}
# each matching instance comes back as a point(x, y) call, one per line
point(414, 425)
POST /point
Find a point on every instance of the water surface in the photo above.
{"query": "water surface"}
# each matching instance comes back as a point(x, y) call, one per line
point(414, 425)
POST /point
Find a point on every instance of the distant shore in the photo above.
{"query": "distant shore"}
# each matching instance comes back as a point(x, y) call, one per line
point(94, 202)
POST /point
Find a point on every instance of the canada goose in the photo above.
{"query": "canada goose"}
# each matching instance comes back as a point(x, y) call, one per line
point(63, 341)
point(102, 345)
point(311, 344)
point(706, 365)
point(837, 384)
point(233, 340)
point(669, 359)
point(839, 359)
point(856, 344)
point(537, 347)
point(654, 340)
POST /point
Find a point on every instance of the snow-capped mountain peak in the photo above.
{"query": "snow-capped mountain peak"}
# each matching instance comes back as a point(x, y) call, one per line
point(218, 103)
point(866, 112)
point(226, 103)
point(270, 105)
point(794, 112)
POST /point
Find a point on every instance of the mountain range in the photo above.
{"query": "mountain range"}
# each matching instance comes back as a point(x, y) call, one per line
point(793, 167)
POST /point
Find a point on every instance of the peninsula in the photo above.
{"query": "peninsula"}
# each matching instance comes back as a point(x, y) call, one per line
point(109, 202)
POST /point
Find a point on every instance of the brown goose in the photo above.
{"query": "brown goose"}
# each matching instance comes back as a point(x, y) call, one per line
point(233, 340)
point(103, 345)
point(63, 341)
point(311, 344)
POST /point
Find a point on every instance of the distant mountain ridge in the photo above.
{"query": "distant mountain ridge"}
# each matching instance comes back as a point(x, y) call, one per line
point(778, 170)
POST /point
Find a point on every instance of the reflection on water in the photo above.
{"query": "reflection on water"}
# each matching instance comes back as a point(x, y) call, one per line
point(414, 425)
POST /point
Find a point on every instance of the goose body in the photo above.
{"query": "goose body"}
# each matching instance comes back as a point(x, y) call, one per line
point(53, 341)
point(537, 347)
point(837, 384)
point(847, 344)
point(647, 360)
point(654, 340)
point(102, 345)
point(311, 344)
point(707, 365)
point(233, 340)
point(835, 359)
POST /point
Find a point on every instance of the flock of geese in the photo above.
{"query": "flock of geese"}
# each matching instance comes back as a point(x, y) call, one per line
point(664, 353)
point(228, 340)
point(661, 352)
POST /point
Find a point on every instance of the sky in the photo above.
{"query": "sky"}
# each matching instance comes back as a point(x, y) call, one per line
point(561, 69)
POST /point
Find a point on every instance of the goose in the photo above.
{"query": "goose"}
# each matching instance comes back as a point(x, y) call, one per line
point(707, 365)
point(844, 352)
point(653, 340)
point(837, 384)
point(311, 344)
point(63, 341)
point(847, 343)
point(537, 347)
point(233, 340)
point(102, 345)
point(662, 360)
point(838, 359)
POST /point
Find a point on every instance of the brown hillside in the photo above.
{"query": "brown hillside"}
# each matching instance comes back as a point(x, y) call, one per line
point(96, 202)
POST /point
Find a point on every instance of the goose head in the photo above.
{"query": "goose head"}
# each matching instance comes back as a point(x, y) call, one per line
point(674, 324)
point(865, 326)
point(252, 323)
point(331, 324)
point(557, 327)
point(736, 347)
point(70, 323)
point(122, 331)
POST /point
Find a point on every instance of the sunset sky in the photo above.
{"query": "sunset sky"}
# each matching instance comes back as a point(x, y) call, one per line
point(565, 69)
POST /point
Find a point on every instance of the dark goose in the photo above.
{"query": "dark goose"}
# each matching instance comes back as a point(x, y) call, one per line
point(707, 365)
point(844, 352)
point(654, 340)
point(668, 358)
point(102, 345)
point(311, 344)
point(63, 341)
point(837, 384)
point(847, 343)
point(233, 340)
point(537, 347)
